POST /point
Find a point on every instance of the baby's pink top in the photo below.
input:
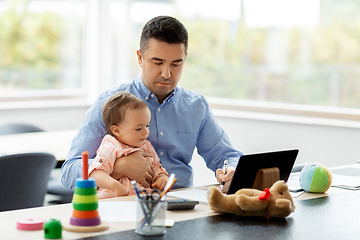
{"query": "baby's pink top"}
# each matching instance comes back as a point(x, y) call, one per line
point(111, 149)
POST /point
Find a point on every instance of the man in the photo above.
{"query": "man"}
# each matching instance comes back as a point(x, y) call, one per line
point(180, 119)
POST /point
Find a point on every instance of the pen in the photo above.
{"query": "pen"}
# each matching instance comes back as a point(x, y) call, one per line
point(142, 205)
point(172, 179)
point(224, 170)
point(133, 183)
point(168, 185)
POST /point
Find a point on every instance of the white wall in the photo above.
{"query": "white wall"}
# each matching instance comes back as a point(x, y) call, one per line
point(326, 144)
point(48, 118)
point(329, 145)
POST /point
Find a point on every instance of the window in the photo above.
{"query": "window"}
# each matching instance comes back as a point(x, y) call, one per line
point(306, 52)
point(41, 47)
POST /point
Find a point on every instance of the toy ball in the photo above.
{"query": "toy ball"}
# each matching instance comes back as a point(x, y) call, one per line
point(315, 178)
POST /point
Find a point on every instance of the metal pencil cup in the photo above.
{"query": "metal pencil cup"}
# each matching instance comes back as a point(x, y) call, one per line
point(150, 217)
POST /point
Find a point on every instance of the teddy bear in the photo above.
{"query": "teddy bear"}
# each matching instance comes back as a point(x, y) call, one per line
point(274, 202)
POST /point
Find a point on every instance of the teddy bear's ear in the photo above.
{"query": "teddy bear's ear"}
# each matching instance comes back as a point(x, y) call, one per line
point(280, 190)
point(278, 184)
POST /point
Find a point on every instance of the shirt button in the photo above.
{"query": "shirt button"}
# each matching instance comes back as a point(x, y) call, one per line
point(161, 153)
point(161, 133)
point(146, 98)
point(152, 95)
point(158, 109)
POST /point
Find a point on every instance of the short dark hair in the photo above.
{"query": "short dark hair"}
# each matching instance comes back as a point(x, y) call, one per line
point(115, 108)
point(164, 28)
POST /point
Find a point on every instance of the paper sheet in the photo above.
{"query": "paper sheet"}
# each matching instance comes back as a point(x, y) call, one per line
point(123, 212)
point(191, 194)
point(293, 184)
point(296, 194)
point(342, 180)
point(118, 211)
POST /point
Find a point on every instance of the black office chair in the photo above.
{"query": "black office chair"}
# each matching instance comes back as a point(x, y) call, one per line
point(14, 128)
point(23, 179)
point(55, 187)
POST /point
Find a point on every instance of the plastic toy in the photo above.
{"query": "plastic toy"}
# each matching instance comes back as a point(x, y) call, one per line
point(52, 229)
point(315, 178)
point(275, 202)
point(85, 217)
point(30, 224)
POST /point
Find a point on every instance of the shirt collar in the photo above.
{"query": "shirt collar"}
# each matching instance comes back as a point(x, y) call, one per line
point(143, 90)
point(147, 94)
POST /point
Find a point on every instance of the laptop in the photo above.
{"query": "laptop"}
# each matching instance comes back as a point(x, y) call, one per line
point(249, 165)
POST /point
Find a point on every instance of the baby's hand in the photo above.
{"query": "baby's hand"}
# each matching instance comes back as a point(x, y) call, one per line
point(160, 182)
point(118, 189)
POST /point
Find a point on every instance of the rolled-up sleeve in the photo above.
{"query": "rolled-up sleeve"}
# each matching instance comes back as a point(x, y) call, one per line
point(213, 143)
point(89, 136)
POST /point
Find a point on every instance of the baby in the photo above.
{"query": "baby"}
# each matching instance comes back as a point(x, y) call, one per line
point(127, 121)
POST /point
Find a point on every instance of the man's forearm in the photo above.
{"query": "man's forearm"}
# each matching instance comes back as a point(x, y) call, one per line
point(70, 171)
point(134, 166)
point(120, 167)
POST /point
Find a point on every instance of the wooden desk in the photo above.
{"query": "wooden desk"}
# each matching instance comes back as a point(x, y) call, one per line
point(332, 215)
point(55, 142)
point(63, 213)
point(335, 217)
point(202, 223)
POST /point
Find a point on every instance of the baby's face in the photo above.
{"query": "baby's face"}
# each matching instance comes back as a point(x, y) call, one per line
point(134, 130)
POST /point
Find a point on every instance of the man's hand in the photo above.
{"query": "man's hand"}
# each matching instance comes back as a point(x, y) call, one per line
point(225, 178)
point(135, 166)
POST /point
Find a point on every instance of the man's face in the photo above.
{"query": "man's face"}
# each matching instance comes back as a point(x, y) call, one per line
point(162, 64)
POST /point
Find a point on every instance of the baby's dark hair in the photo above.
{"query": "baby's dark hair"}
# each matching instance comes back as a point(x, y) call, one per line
point(114, 109)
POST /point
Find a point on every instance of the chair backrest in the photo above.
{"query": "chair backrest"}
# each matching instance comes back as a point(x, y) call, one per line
point(14, 128)
point(23, 179)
